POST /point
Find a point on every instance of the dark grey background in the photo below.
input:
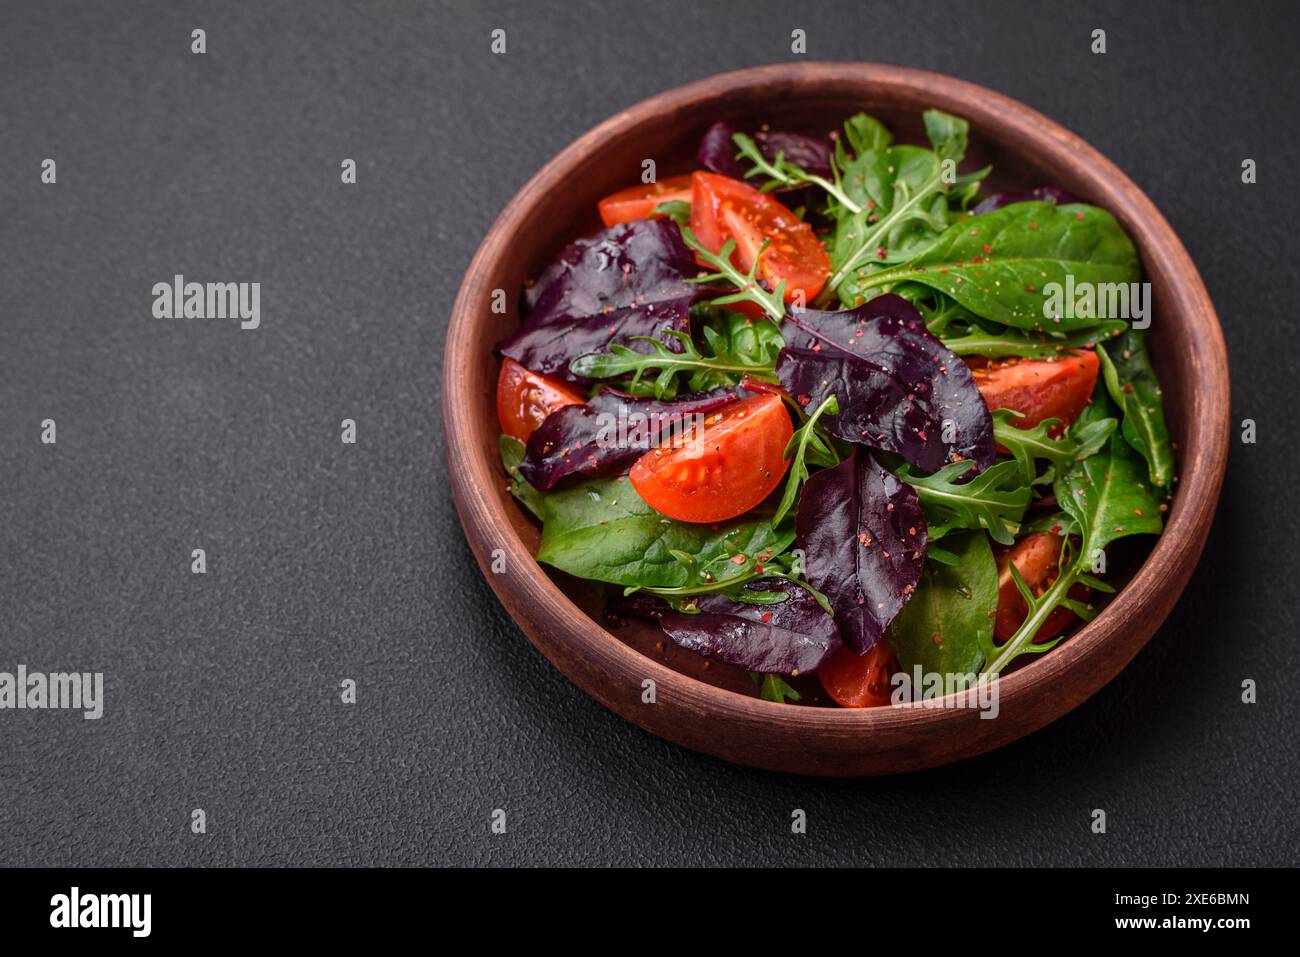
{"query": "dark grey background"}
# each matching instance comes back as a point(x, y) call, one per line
point(328, 561)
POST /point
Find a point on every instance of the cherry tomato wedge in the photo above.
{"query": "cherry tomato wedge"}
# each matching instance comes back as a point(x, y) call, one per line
point(526, 398)
point(1036, 557)
point(723, 208)
point(638, 202)
point(1041, 389)
point(721, 467)
point(859, 681)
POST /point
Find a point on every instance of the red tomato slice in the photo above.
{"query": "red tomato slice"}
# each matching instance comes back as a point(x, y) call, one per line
point(1036, 557)
point(859, 681)
point(1041, 389)
point(526, 398)
point(638, 202)
point(721, 468)
point(724, 208)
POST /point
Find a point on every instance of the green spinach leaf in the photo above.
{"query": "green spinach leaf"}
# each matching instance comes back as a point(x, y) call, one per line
point(947, 627)
point(998, 264)
point(1132, 383)
point(602, 530)
point(512, 453)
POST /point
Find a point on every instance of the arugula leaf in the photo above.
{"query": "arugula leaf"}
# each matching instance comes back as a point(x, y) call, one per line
point(863, 133)
point(796, 451)
point(738, 353)
point(773, 688)
point(676, 210)
point(602, 530)
point(1026, 445)
point(947, 627)
point(1107, 496)
point(747, 285)
point(901, 199)
point(994, 500)
point(780, 172)
point(512, 453)
point(752, 345)
point(1132, 383)
point(997, 264)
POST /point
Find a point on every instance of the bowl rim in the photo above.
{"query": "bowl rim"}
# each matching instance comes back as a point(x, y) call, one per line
point(1175, 551)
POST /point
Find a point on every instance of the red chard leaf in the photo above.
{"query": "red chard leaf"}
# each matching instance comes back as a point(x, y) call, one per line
point(790, 637)
point(626, 281)
point(1039, 194)
point(606, 435)
point(898, 387)
point(863, 537)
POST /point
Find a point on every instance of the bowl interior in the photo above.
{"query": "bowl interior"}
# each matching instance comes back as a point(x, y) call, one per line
point(670, 138)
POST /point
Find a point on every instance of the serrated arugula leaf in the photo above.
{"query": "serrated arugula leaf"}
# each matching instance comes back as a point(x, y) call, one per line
point(1037, 443)
point(735, 346)
point(805, 447)
point(899, 199)
point(773, 687)
point(994, 500)
point(1107, 496)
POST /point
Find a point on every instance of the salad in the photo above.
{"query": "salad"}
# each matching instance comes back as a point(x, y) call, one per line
point(829, 414)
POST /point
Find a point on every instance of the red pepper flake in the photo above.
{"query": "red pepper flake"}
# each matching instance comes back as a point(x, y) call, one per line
point(880, 252)
point(974, 232)
point(1078, 216)
point(1033, 225)
point(1137, 511)
point(1031, 289)
point(921, 435)
point(864, 539)
point(988, 248)
point(766, 616)
point(804, 399)
point(738, 559)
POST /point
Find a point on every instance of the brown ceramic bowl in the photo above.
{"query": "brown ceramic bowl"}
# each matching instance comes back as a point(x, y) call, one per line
point(712, 707)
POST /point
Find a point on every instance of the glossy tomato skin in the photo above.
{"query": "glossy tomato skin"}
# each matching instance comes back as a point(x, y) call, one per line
point(1041, 389)
point(723, 208)
point(1037, 558)
point(859, 681)
point(722, 467)
point(639, 202)
point(525, 399)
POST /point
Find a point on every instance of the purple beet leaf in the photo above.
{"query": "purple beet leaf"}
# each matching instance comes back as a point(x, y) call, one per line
point(791, 637)
point(606, 435)
point(898, 387)
point(626, 281)
point(863, 539)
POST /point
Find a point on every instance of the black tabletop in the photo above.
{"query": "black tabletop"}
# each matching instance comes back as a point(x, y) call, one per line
point(327, 561)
